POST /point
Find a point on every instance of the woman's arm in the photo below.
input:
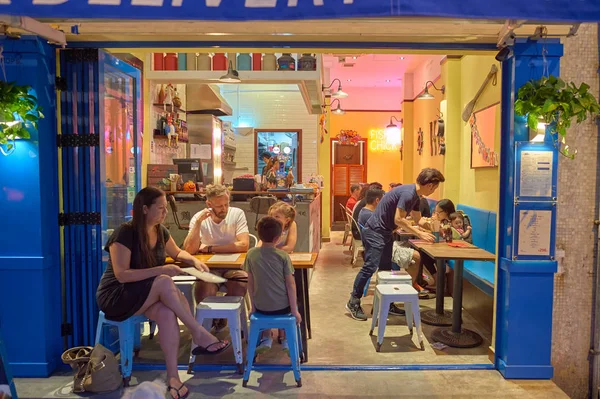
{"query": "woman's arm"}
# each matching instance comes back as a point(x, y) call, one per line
point(120, 257)
point(183, 256)
point(290, 284)
point(292, 237)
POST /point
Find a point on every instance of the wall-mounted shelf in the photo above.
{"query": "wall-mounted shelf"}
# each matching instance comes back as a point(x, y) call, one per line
point(309, 82)
point(228, 147)
point(170, 108)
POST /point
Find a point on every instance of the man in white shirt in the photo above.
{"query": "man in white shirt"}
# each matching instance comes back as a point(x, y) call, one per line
point(219, 229)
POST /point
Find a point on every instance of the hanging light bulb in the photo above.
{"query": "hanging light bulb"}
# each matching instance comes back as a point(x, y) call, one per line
point(231, 76)
point(393, 133)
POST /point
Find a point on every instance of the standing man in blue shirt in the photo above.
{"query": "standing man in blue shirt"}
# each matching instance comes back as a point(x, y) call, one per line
point(377, 235)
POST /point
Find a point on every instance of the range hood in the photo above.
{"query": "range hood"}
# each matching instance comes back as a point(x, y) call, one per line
point(203, 99)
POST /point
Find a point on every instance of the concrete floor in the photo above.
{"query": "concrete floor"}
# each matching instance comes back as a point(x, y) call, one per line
point(324, 384)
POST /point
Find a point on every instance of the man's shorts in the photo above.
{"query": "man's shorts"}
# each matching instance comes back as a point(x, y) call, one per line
point(401, 255)
point(230, 274)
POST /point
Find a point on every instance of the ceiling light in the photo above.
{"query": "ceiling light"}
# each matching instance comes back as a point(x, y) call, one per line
point(393, 134)
point(339, 93)
point(355, 57)
point(426, 95)
point(401, 58)
point(232, 75)
point(387, 80)
point(349, 80)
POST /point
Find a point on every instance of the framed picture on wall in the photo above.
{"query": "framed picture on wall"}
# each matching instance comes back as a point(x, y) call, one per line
point(485, 127)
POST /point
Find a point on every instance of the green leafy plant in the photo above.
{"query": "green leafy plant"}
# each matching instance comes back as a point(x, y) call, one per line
point(552, 101)
point(18, 107)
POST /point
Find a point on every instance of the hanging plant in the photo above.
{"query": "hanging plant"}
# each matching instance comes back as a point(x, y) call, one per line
point(18, 108)
point(552, 101)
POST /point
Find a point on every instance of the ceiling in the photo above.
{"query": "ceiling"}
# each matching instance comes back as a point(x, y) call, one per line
point(374, 70)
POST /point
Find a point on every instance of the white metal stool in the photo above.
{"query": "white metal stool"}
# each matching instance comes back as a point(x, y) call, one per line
point(224, 307)
point(388, 293)
point(393, 277)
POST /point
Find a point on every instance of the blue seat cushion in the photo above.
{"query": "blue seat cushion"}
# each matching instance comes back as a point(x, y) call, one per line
point(480, 223)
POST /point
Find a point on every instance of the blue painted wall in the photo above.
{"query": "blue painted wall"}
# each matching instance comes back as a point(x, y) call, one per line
point(30, 294)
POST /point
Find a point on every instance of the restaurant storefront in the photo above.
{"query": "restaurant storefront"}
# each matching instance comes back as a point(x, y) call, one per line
point(523, 322)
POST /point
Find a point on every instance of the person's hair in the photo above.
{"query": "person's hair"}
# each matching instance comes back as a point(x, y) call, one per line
point(145, 197)
point(215, 190)
point(268, 229)
point(456, 215)
point(266, 154)
point(376, 184)
point(286, 209)
point(430, 176)
point(373, 194)
point(394, 185)
point(363, 191)
point(447, 206)
point(354, 187)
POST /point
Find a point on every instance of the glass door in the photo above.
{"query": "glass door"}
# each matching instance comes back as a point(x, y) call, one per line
point(120, 139)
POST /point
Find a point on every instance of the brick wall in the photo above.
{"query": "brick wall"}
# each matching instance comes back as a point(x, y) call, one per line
point(575, 235)
point(271, 107)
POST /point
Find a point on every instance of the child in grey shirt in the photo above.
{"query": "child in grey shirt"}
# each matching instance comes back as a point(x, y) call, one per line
point(271, 283)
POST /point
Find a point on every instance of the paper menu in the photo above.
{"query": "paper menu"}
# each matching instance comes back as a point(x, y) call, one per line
point(301, 257)
point(204, 276)
point(223, 258)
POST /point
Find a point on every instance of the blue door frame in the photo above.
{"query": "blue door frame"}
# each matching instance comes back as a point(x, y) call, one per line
point(523, 339)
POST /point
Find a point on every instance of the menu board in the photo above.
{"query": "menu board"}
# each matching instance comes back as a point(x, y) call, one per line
point(534, 232)
point(536, 174)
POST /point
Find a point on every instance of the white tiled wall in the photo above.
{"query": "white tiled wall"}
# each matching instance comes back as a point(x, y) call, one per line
point(271, 107)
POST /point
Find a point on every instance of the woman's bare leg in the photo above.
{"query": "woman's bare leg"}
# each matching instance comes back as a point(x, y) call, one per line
point(169, 341)
point(164, 290)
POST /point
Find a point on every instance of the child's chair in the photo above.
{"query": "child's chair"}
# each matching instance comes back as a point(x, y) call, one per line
point(259, 323)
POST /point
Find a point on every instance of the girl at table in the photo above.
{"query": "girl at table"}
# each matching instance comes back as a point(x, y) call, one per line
point(138, 282)
point(285, 214)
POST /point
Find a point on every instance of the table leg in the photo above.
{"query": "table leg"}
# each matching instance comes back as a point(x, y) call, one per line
point(439, 316)
point(456, 336)
point(306, 301)
point(302, 309)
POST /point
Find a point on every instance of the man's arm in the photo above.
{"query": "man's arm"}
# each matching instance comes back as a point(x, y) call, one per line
point(192, 242)
point(241, 244)
point(400, 221)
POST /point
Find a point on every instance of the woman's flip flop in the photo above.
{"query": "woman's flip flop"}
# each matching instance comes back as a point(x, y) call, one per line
point(177, 390)
point(201, 350)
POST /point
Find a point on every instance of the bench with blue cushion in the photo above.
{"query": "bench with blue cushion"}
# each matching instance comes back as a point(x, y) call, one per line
point(481, 273)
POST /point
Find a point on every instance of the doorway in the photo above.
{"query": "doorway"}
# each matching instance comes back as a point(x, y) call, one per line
point(349, 166)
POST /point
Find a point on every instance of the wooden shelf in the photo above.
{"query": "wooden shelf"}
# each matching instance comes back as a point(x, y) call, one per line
point(174, 109)
point(229, 147)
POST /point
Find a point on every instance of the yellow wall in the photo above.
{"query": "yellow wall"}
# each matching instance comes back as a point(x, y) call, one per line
point(324, 166)
point(478, 187)
point(383, 166)
point(423, 112)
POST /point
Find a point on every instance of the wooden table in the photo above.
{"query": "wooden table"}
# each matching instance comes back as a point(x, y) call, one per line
point(301, 276)
point(455, 336)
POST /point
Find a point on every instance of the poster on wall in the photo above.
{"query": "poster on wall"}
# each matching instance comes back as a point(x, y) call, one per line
point(534, 232)
point(536, 174)
point(484, 127)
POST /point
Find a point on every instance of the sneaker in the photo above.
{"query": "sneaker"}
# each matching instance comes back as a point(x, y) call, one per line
point(219, 325)
point(356, 311)
point(285, 347)
point(264, 345)
point(396, 311)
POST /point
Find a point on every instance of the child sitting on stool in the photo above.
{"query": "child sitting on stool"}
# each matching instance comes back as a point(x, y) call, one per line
point(271, 283)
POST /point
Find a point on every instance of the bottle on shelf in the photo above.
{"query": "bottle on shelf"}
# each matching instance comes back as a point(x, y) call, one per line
point(244, 62)
point(159, 62)
point(256, 61)
point(190, 62)
point(219, 62)
point(307, 63)
point(181, 62)
point(269, 62)
point(286, 62)
point(171, 62)
point(203, 62)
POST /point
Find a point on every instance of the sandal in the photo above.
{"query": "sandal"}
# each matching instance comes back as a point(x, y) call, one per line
point(201, 350)
point(177, 390)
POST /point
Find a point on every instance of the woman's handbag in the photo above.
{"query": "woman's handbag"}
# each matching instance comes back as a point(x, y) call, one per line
point(96, 369)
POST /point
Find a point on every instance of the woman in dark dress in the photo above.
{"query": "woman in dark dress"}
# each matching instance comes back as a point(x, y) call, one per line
point(137, 281)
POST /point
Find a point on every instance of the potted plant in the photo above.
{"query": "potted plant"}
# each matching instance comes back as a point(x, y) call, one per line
point(555, 103)
point(18, 108)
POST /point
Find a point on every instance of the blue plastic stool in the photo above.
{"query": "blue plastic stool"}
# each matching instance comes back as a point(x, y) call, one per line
point(259, 323)
point(129, 337)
